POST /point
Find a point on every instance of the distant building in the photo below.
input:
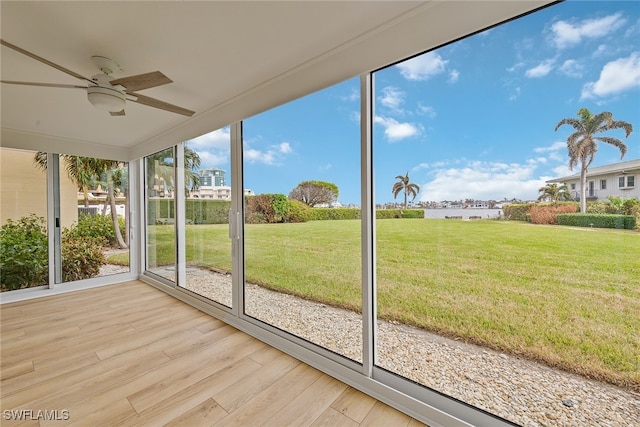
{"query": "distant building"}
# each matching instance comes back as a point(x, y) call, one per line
point(212, 185)
point(617, 179)
point(211, 177)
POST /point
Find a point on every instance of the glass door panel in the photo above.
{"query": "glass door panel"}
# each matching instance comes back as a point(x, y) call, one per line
point(302, 232)
point(207, 205)
point(93, 215)
point(481, 295)
point(160, 214)
point(23, 220)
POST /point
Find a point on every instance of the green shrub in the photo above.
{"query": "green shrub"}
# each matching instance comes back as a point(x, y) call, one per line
point(598, 220)
point(517, 211)
point(97, 228)
point(399, 213)
point(298, 211)
point(322, 214)
point(266, 209)
point(23, 253)
point(199, 211)
point(598, 208)
point(82, 257)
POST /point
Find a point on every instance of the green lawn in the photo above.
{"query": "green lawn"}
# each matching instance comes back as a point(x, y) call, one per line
point(565, 296)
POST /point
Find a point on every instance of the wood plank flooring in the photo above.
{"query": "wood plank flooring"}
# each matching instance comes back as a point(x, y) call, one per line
point(131, 355)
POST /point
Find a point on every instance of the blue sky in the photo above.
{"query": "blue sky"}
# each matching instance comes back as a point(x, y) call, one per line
point(473, 119)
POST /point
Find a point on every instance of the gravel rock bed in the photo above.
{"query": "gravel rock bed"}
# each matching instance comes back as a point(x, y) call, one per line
point(524, 392)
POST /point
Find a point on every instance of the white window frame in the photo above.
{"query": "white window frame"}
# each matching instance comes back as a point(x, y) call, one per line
point(624, 179)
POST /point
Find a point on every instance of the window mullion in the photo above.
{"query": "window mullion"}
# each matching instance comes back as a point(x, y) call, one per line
point(368, 227)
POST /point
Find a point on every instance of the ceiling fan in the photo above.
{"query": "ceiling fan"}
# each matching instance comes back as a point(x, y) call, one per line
point(105, 92)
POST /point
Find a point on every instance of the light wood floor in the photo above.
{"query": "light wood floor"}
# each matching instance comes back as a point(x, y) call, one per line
point(131, 355)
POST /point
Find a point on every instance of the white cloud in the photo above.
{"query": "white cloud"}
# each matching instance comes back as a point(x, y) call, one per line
point(515, 94)
point(394, 130)
point(354, 95)
point(540, 70)
point(213, 148)
point(453, 76)
point(392, 98)
point(515, 67)
point(426, 110)
point(615, 77)
point(213, 159)
point(422, 67)
point(566, 34)
point(285, 148)
point(555, 151)
point(272, 155)
point(556, 146)
point(220, 139)
point(571, 68)
point(485, 181)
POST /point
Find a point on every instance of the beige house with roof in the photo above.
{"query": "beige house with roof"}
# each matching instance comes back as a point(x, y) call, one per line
point(617, 179)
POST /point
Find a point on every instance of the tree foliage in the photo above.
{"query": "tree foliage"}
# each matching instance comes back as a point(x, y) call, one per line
point(554, 193)
point(408, 188)
point(582, 144)
point(314, 193)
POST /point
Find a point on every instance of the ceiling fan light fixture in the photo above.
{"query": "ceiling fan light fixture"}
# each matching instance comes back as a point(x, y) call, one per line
point(106, 99)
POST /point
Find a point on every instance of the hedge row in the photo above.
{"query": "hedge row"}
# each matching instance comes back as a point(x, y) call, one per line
point(521, 211)
point(262, 209)
point(196, 211)
point(598, 220)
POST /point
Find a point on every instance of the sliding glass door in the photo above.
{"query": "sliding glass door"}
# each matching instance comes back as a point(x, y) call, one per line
point(302, 231)
point(208, 197)
point(161, 214)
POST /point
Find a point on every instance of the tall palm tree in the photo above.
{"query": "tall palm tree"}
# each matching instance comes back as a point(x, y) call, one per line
point(554, 193)
point(407, 187)
point(582, 144)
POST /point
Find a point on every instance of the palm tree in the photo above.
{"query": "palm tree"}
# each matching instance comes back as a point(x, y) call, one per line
point(582, 144)
point(85, 171)
point(403, 184)
point(554, 193)
point(81, 170)
point(161, 166)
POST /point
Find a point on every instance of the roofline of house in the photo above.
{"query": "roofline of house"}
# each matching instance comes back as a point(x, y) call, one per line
point(621, 167)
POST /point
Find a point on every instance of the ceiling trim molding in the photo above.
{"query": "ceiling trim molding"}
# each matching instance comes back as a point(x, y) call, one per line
point(21, 140)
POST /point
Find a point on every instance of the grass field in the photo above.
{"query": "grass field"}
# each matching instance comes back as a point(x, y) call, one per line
point(565, 296)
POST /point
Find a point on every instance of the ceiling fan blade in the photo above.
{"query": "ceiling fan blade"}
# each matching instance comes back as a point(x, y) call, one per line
point(117, 113)
point(152, 102)
point(44, 61)
point(11, 82)
point(142, 81)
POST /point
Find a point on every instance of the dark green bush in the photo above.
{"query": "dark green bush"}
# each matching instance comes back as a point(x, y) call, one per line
point(207, 211)
point(23, 253)
point(322, 214)
point(598, 220)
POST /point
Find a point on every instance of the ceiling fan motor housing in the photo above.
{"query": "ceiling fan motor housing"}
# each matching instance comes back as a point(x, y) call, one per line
point(106, 98)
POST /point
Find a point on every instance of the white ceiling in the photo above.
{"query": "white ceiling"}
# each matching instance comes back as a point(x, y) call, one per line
point(228, 60)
